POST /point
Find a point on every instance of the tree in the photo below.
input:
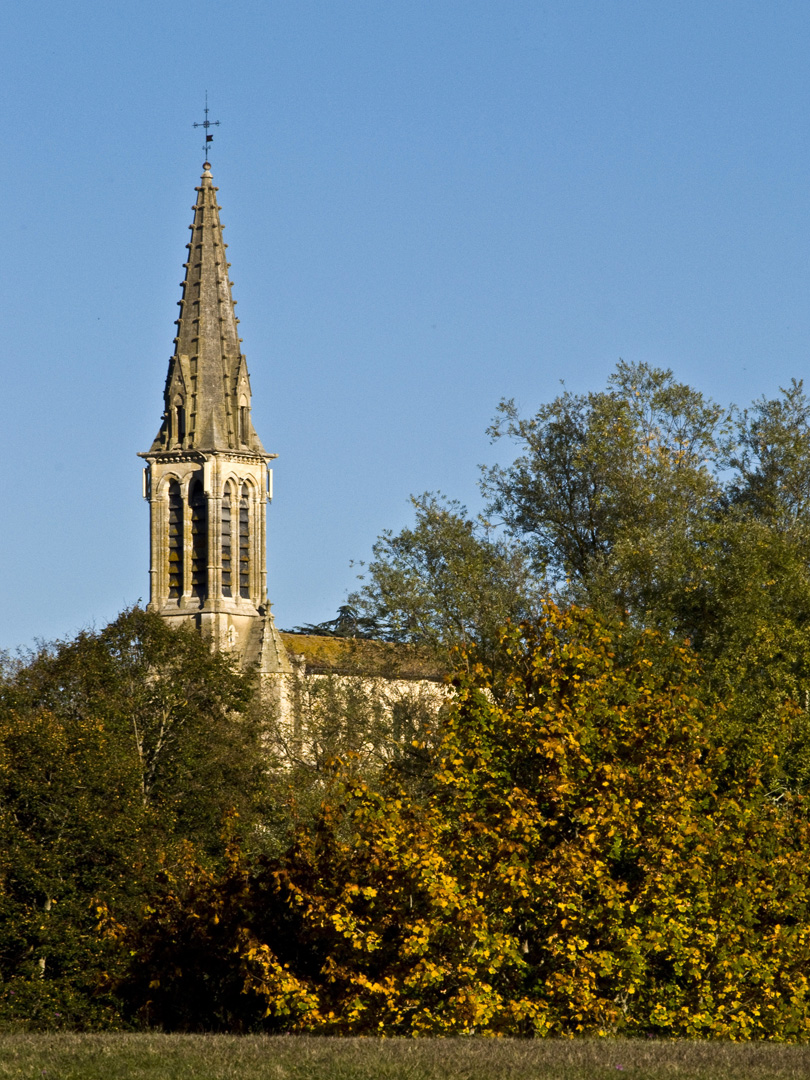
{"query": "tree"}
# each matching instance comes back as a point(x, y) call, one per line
point(74, 828)
point(117, 750)
point(447, 582)
point(585, 782)
point(746, 606)
point(648, 501)
point(610, 488)
point(608, 504)
point(576, 868)
point(348, 623)
point(174, 709)
point(770, 455)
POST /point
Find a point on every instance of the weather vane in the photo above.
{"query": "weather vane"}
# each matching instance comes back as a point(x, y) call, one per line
point(206, 123)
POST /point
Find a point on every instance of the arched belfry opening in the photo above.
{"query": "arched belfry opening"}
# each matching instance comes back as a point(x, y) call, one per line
point(226, 534)
point(207, 471)
point(198, 505)
point(175, 541)
point(244, 543)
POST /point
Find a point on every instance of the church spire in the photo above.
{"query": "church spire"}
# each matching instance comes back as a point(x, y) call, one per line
point(207, 392)
point(207, 477)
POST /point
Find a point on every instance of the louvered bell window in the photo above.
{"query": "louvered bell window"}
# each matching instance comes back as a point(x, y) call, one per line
point(226, 542)
point(244, 543)
point(198, 505)
point(175, 540)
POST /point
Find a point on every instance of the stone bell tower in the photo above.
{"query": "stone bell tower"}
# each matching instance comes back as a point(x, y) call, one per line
point(207, 477)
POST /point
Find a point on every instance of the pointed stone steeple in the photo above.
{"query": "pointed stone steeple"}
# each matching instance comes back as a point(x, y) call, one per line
point(207, 392)
point(207, 479)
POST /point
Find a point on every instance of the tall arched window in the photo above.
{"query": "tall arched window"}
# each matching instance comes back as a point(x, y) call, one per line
point(175, 540)
point(244, 542)
point(226, 542)
point(243, 424)
point(198, 504)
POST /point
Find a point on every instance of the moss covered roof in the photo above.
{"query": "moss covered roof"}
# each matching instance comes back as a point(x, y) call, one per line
point(358, 656)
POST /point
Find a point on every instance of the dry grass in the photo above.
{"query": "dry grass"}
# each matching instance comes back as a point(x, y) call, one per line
point(222, 1057)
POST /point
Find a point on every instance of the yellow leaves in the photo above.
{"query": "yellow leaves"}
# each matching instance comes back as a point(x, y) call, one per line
point(571, 841)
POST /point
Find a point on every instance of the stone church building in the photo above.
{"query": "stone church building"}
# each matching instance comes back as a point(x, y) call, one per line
point(208, 483)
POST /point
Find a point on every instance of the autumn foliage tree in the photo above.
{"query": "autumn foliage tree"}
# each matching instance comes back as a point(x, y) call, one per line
point(575, 869)
point(647, 899)
point(643, 501)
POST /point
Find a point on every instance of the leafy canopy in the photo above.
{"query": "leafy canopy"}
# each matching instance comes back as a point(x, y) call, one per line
point(573, 868)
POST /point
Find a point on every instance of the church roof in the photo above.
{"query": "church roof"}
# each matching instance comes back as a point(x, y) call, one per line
point(208, 378)
point(322, 654)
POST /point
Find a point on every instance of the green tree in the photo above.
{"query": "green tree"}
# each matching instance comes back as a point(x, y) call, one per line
point(74, 828)
point(173, 708)
point(348, 623)
point(117, 750)
point(648, 500)
point(770, 455)
point(610, 488)
point(609, 502)
point(747, 611)
point(447, 582)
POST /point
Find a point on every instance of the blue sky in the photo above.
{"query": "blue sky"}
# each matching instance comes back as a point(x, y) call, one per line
point(429, 205)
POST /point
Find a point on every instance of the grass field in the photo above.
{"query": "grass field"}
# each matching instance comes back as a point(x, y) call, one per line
point(223, 1057)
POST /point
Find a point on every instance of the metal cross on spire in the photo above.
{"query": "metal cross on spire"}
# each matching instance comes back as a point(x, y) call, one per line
point(206, 123)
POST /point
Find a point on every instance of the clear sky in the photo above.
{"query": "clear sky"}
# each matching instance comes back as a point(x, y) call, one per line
point(430, 205)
